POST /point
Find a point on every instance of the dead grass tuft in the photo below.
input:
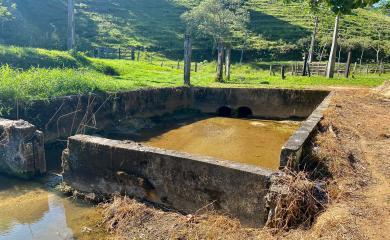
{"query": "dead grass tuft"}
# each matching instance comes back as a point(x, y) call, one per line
point(126, 218)
point(294, 200)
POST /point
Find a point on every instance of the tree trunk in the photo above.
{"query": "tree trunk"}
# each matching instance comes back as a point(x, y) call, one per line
point(187, 59)
point(348, 66)
point(219, 77)
point(283, 72)
point(71, 25)
point(322, 53)
point(228, 62)
point(361, 57)
point(332, 56)
point(242, 56)
point(377, 54)
point(339, 57)
point(313, 40)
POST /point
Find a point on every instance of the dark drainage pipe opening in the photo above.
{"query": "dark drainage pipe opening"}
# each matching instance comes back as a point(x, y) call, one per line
point(244, 112)
point(224, 111)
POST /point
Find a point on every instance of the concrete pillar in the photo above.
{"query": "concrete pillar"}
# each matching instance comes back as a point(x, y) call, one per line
point(22, 152)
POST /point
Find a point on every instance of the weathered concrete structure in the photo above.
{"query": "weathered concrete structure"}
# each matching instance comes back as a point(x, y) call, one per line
point(22, 151)
point(292, 151)
point(186, 182)
point(178, 180)
point(66, 116)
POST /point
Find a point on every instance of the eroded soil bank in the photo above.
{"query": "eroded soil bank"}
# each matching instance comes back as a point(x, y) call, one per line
point(351, 152)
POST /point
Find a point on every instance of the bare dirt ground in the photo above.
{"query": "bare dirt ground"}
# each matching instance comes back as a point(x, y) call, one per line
point(353, 147)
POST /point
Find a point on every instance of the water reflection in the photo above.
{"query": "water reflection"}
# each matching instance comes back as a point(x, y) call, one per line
point(29, 211)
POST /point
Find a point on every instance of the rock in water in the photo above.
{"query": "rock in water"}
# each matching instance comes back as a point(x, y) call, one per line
point(22, 152)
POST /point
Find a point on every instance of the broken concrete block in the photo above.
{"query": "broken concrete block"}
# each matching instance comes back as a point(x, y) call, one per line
point(22, 152)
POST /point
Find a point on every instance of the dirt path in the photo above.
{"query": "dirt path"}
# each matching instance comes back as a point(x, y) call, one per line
point(362, 121)
point(376, 149)
point(376, 224)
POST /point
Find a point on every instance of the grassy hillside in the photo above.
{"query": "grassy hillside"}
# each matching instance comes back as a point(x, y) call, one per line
point(47, 74)
point(157, 23)
point(26, 57)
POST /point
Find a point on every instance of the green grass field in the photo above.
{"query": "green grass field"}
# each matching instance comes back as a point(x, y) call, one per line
point(45, 83)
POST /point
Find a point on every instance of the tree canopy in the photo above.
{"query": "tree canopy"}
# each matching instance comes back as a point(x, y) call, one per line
point(338, 6)
point(346, 6)
point(5, 13)
point(219, 19)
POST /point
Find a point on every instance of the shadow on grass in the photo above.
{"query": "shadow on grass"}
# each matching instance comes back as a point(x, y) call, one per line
point(274, 29)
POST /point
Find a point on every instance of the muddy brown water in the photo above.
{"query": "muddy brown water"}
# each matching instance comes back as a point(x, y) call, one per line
point(30, 210)
point(250, 141)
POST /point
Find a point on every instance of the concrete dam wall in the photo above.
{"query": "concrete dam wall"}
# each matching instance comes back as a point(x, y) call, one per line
point(63, 117)
point(186, 182)
point(179, 180)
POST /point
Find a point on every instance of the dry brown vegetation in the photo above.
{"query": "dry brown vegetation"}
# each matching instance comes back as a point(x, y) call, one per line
point(294, 200)
point(351, 153)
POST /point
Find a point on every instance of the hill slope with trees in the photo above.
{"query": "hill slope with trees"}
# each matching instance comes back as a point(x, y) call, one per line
point(275, 27)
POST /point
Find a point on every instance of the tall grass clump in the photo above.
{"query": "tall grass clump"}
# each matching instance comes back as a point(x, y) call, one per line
point(41, 83)
point(25, 57)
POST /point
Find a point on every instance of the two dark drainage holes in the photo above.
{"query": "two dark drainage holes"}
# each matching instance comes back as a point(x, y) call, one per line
point(241, 112)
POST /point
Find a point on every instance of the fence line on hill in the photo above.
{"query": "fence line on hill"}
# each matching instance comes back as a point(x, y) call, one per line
point(141, 53)
point(319, 69)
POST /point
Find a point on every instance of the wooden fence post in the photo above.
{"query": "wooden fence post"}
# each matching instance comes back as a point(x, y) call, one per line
point(326, 68)
point(138, 55)
point(132, 53)
point(187, 59)
point(304, 73)
point(196, 67)
point(354, 69)
point(270, 70)
point(381, 68)
point(283, 72)
point(119, 53)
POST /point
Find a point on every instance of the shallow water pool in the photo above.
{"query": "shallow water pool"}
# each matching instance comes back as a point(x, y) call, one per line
point(31, 210)
point(251, 141)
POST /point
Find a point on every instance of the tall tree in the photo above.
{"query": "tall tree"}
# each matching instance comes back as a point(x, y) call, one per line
point(71, 25)
point(5, 13)
point(380, 38)
point(341, 7)
point(219, 19)
point(315, 8)
point(363, 43)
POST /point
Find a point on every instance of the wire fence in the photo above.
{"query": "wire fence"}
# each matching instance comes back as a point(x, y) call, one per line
point(143, 54)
